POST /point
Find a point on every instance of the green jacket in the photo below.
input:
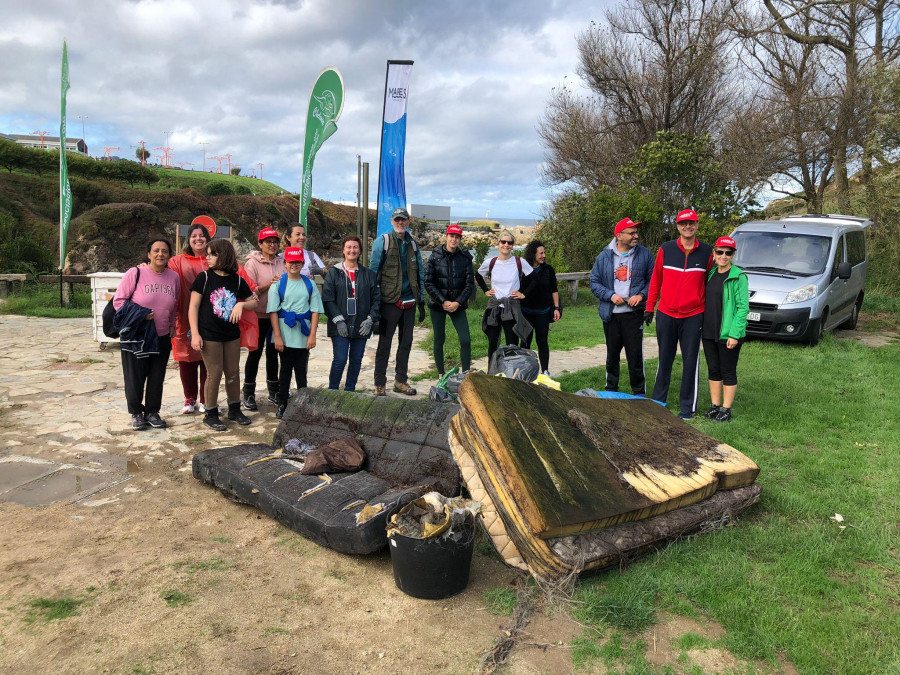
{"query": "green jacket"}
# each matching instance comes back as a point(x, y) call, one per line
point(735, 303)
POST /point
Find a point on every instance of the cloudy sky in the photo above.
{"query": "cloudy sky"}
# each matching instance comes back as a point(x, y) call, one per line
point(237, 75)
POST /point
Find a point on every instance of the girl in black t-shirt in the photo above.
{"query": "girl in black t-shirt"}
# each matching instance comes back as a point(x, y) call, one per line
point(219, 297)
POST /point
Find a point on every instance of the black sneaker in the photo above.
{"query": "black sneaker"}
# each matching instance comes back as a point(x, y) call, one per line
point(280, 412)
point(712, 412)
point(138, 423)
point(724, 415)
point(235, 414)
point(211, 419)
point(249, 402)
point(155, 421)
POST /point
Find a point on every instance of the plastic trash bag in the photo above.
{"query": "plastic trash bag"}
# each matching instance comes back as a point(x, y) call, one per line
point(515, 362)
point(442, 392)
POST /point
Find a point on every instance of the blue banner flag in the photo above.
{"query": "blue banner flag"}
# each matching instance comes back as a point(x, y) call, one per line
point(391, 180)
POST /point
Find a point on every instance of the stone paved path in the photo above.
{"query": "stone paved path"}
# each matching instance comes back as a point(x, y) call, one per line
point(62, 401)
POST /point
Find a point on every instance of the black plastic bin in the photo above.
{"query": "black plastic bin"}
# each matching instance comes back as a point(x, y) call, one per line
point(432, 568)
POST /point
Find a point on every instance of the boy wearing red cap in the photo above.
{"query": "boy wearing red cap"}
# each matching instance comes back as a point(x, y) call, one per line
point(679, 284)
point(294, 306)
point(620, 278)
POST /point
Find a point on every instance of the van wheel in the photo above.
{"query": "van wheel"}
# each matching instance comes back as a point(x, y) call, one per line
point(850, 323)
point(819, 330)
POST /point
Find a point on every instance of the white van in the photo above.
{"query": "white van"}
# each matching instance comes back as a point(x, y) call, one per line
point(807, 274)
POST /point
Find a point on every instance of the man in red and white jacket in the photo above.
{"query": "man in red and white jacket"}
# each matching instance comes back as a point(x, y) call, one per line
point(679, 284)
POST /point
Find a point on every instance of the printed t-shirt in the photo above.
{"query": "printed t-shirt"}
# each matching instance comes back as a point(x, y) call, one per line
point(220, 296)
point(297, 300)
point(156, 291)
point(622, 279)
point(505, 275)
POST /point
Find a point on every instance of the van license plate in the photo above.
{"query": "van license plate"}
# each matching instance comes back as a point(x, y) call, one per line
point(753, 316)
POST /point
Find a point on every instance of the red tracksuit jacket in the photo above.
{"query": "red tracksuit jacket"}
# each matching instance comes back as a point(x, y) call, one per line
point(679, 279)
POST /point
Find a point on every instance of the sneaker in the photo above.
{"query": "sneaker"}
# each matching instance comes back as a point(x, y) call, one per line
point(138, 423)
point(712, 412)
point(685, 416)
point(379, 390)
point(235, 414)
point(190, 407)
point(201, 408)
point(155, 421)
point(546, 372)
point(724, 415)
point(404, 388)
point(279, 413)
point(249, 402)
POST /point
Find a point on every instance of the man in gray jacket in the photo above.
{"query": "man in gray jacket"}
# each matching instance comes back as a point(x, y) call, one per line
point(620, 279)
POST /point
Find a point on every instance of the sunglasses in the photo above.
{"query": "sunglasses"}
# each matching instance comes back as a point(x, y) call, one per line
point(506, 243)
point(729, 252)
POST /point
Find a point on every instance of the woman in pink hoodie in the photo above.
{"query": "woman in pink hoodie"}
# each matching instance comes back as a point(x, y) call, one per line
point(265, 268)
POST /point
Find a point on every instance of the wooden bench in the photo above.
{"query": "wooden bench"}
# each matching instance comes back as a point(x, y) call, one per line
point(68, 280)
point(6, 282)
point(572, 279)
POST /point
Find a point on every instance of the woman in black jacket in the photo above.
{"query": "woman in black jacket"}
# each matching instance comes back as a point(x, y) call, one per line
point(352, 303)
point(450, 282)
point(541, 305)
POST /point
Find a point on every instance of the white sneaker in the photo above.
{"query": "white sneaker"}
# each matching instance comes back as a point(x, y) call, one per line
point(201, 408)
point(189, 408)
point(547, 373)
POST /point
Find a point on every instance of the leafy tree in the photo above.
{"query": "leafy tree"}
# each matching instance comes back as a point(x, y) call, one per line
point(142, 154)
point(235, 171)
point(11, 155)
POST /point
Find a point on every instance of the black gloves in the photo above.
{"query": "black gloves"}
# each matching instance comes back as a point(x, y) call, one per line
point(421, 312)
point(648, 318)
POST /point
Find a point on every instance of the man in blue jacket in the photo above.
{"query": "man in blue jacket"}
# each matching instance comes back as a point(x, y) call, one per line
point(620, 279)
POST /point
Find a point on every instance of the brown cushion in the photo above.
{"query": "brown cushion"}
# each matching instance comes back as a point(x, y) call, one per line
point(345, 454)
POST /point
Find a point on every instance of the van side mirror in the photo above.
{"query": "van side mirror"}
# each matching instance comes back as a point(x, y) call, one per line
point(844, 270)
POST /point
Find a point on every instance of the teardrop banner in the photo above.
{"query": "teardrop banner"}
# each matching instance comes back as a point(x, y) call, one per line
point(206, 222)
point(326, 102)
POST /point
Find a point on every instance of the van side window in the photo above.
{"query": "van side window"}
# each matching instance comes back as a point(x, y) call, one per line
point(838, 256)
point(856, 248)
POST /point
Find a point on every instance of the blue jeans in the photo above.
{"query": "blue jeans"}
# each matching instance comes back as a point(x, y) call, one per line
point(342, 347)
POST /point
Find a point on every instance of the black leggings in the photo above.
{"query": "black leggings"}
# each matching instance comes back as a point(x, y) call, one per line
point(541, 325)
point(294, 361)
point(493, 336)
point(251, 367)
point(145, 374)
point(721, 362)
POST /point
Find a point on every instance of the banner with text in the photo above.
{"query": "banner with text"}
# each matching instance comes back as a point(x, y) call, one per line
point(391, 180)
point(325, 105)
point(65, 190)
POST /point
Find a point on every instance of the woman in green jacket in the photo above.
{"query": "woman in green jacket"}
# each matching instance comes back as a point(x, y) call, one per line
point(724, 328)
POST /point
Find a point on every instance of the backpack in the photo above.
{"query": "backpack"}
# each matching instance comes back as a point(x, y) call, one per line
point(109, 312)
point(282, 286)
point(494, 260)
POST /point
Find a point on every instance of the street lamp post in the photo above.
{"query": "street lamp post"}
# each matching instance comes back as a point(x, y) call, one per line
point(82, 118)
point(204, 144)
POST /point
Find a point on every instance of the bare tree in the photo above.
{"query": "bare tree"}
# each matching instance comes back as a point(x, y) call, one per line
point(656, 65)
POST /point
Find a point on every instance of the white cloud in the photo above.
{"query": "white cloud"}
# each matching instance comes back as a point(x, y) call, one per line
point(237, 74)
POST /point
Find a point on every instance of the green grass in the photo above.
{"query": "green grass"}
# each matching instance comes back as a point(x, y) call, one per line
point(174, 597)
point(500, 601)
point(46, 609)
point(580, 326)
point(37, 299)
point(880, 312)
point(176, 178)
point(823, 425)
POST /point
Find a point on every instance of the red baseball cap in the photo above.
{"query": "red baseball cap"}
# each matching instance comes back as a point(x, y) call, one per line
point(624, 224)
point(266, 233)
point(454, 229)
point(687, 214)
point(726, 242)
point(294, 254)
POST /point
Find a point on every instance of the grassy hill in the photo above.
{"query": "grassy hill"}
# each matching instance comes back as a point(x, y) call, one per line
point(180, 178)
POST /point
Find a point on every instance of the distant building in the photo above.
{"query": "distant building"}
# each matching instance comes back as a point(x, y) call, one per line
point(50, 142)
point(430, 212)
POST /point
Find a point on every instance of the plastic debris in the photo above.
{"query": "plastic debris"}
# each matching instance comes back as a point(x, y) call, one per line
point(368, 512)
point(297, 450)
point(434, 515)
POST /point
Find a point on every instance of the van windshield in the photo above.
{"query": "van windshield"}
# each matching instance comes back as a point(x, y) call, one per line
point(782, 252)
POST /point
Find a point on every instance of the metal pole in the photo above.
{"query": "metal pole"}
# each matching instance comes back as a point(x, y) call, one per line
point(365, 213)
point(358, 196)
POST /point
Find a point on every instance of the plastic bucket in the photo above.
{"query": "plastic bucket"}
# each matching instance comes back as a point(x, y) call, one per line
point(432, 568)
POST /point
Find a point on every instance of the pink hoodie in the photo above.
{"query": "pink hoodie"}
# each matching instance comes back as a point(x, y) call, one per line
point(262, 271)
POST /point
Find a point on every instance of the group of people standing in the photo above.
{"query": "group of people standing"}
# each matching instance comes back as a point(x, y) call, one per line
point(696, 295)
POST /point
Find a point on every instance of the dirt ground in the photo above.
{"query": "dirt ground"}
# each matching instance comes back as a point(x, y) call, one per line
point(167, 576)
